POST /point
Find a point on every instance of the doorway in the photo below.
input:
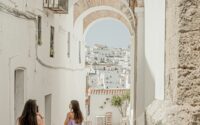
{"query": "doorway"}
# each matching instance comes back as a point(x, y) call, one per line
point(48, 103)
point(18, 93)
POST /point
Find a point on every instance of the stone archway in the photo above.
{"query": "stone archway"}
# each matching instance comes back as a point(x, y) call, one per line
point(85, 12)
point(123, 6)
point(104, 14)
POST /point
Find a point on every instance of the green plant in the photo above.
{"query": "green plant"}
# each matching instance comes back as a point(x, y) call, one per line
point(121, 102)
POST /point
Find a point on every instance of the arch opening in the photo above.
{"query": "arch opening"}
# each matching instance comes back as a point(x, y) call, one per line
point(92, 17)
point(85, 20)
point(122, 35)
point(109, 25)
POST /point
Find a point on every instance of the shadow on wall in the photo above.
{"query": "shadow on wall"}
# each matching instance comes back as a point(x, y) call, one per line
point(149, 85)
point(147, 93)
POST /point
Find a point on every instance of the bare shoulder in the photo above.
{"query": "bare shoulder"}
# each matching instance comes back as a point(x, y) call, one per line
point(70, 115)
point(39, 116)
point(39, 119)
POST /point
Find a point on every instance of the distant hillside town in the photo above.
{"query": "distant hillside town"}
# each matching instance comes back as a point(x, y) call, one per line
point(108, 68)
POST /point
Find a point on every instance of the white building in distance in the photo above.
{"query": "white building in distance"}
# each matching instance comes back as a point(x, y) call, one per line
point(108, 67)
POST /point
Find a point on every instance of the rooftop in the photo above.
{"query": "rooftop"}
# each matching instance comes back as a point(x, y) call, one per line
point(117, 91)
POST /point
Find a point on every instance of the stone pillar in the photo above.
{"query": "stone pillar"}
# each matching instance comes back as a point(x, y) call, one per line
point(187, 50)
point(182, 68)
point(139, 85)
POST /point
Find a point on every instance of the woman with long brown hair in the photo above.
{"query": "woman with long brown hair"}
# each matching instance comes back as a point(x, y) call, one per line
point(30, 115)
point(74, 117)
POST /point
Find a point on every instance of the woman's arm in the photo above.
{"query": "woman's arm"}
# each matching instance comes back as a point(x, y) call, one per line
point(40, 119)
point(69, 116)
point(17, 122)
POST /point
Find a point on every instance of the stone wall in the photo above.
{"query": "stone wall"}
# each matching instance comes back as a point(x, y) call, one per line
point(168, 113)
point(182, 85)
point(188, 86)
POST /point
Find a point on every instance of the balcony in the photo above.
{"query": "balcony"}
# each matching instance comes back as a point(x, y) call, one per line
point(57, 6)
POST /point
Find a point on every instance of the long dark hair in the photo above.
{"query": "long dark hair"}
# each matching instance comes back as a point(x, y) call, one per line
point(29, 114)
point(78, 117)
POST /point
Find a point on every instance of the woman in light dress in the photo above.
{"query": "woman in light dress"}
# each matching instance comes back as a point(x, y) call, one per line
point(74, 117)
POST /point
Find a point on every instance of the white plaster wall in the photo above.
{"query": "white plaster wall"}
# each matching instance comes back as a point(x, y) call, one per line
point(64, 86)
point(63, 77)
point(150, 58)
point(140, 95)
point(98, 100)
point(154, 49)
point(17, 51)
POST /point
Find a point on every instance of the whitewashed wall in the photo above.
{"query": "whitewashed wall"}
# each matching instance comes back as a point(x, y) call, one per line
point(17, 49)
point(154, 49)
point(60, 76)
point(98, 100)
point(150, 56)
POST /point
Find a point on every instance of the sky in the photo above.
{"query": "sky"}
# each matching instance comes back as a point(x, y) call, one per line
point(108, 32)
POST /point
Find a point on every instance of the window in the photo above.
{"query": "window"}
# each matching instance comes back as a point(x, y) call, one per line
point(52, 42)
point(48, 104)
point(46, 3)
point(79, 51)
point(57, 6)
point(100, 120)
point(68, 45)
point(39, 30)
point(19, 84)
